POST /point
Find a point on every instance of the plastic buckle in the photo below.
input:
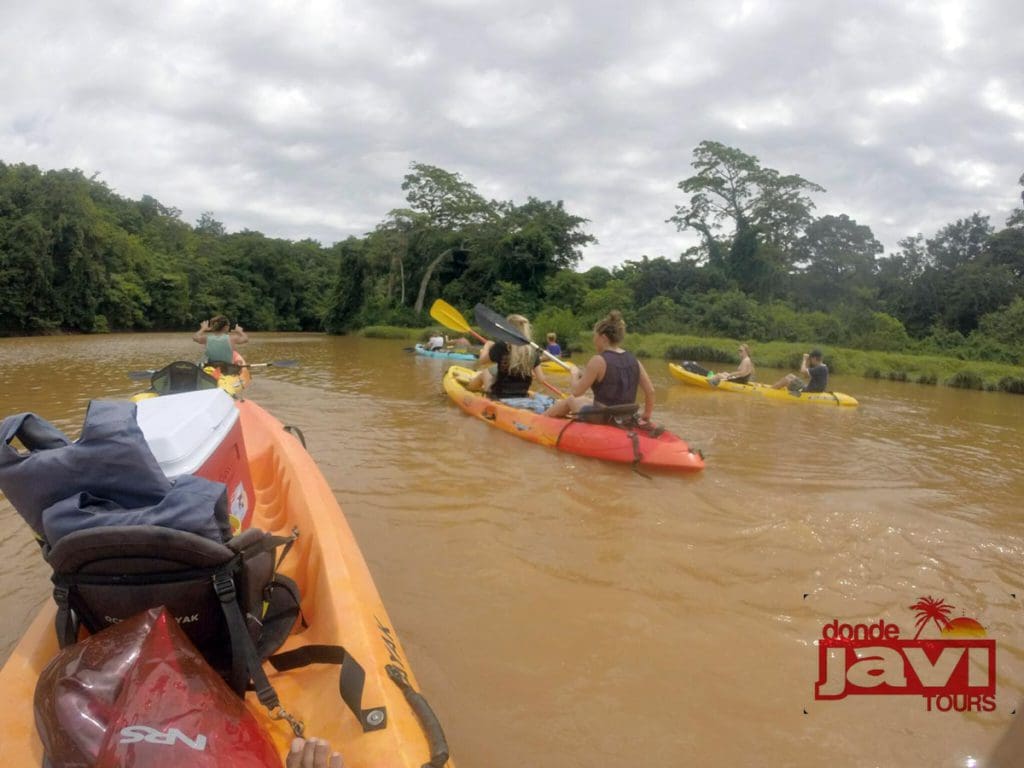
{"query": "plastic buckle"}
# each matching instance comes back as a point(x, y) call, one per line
point(224, 586)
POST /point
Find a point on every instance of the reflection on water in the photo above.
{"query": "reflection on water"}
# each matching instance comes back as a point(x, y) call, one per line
point(563, 612)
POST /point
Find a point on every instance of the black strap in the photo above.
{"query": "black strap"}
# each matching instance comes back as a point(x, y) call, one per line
point(64, 624)
point(351, 682)
point(428, 720)
point(245, 661)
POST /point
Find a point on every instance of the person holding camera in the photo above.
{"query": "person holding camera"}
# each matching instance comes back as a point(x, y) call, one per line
point(813, 369)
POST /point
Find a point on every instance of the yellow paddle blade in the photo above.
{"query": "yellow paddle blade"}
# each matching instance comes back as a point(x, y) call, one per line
point(449, 316)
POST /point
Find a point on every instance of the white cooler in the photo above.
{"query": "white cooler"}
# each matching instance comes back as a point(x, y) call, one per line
point(198, 433)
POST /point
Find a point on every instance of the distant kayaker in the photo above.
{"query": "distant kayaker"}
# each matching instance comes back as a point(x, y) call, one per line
point(511, 368)
point(613, 374)
point(436, 342)
point(553, 347)
point(742, 374)
point(312, 753)
point(220, 343)
point(813, 368)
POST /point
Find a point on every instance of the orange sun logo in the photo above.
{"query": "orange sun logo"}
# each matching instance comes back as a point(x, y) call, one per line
point(963, 627)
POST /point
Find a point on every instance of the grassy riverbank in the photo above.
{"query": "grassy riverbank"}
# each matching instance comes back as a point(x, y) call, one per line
point(920, 369)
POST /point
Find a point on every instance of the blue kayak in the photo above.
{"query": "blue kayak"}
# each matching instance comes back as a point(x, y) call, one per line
point(421, 350)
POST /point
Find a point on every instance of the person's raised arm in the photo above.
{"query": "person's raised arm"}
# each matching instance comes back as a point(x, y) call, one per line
point(804, 370)
point(648, 389)
point(238, 336)
point(199, 337)
point(485, 353)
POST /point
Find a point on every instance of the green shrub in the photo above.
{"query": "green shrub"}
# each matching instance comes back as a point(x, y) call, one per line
point(1012, 384)
point(699, 352)
point(392, 332)
point(661, 315)
point(965, 380)
point(562, 322)
point(882, 331)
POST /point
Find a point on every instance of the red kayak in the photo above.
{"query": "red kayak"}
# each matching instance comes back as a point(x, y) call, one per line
point(647, 447)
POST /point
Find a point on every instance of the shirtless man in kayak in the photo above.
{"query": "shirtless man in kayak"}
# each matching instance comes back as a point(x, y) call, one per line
point(742, 374)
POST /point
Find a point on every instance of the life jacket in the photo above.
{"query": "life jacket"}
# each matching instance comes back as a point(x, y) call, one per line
point(218, 348)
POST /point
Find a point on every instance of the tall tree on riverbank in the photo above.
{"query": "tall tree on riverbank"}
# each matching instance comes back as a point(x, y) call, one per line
point(749, 216)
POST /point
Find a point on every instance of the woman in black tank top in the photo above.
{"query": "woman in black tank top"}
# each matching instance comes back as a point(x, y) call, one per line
point(613, 374)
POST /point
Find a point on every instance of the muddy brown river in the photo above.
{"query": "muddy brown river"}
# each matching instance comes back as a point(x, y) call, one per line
point(563, 612)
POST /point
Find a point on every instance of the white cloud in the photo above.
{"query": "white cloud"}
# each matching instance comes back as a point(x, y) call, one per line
point(493, 98)
point(996, 97)
point(300, 119)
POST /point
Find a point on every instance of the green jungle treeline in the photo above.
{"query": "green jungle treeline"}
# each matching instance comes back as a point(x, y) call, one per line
point(77, 257)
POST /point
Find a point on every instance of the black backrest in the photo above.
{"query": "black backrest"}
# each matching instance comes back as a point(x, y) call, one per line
point(103, 576)
point(181, 376)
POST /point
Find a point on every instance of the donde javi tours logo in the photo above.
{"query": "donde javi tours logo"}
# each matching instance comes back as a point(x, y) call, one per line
point(955, 671)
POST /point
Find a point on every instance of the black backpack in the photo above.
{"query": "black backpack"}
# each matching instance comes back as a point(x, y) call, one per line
point(216, 591)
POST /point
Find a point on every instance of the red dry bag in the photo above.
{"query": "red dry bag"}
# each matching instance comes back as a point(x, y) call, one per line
point(140, 694)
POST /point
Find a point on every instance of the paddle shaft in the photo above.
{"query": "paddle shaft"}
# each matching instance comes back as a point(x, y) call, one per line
point(277, 364)
point(451, 318)
point(488, 317)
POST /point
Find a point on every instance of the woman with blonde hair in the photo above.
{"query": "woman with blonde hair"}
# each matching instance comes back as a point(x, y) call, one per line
point(511, 367)
point(613, 374)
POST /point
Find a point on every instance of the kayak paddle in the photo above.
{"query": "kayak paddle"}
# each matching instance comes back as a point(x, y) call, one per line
point(139, 375)
point(498, 327)
point(450, 317)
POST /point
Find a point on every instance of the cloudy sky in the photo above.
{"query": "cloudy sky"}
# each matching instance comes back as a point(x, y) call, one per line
point(299, 119)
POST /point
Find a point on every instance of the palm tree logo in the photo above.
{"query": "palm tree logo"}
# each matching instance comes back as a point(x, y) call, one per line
point(930, 609)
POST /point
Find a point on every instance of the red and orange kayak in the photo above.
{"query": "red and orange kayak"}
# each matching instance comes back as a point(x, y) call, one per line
point(647, 448)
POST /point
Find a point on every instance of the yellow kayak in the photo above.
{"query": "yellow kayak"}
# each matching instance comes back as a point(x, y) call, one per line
point(550, 366)
point(762, 390)
point(340, 606)
point(183, 376)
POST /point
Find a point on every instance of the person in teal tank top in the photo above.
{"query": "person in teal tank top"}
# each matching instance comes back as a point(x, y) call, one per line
point(219, 342)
